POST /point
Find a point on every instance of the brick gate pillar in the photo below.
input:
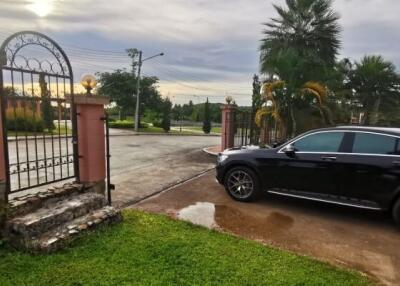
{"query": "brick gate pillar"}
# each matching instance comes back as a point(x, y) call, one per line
point(228, 128)
point(91, 140)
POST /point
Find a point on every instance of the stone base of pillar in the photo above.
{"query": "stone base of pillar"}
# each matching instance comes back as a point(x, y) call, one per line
point(98, 187)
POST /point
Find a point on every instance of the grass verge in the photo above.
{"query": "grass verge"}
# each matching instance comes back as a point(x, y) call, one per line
point(200, 128)
point(148, 249)
point(152, 129)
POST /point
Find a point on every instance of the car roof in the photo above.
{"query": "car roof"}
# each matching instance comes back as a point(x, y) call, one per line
point(386, 130)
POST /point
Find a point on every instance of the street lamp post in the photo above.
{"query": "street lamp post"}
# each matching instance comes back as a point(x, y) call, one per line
point(138, 86)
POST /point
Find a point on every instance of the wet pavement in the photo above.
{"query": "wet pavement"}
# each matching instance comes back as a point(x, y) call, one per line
point(363, 240)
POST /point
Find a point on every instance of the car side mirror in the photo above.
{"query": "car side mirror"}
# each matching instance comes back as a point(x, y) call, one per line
point(289, 150)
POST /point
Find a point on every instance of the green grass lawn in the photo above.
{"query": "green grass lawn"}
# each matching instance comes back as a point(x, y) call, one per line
point(149, 249)
point(152, 129)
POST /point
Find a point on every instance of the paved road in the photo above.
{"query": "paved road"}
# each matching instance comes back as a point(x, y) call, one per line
point(364, 240)
point(140, 165)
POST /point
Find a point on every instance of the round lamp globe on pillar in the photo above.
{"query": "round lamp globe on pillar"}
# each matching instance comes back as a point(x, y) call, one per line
point(89, 82)
point(228, 99)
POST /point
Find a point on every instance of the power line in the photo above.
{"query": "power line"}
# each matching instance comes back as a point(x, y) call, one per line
point(172, 69)
point(83, 58)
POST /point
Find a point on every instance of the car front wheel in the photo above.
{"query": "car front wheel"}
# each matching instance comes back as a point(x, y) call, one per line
point(242, 184)
point(396, 212)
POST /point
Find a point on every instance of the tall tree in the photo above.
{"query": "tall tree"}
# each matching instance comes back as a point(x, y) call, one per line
point(376, 87)
point(47, 109)
point(166, 114)
point(256, 103)
point(207, 118)
point(119, 86)
point(300, 46)
point(310, 27)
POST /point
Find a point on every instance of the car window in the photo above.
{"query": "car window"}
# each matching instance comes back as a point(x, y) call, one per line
point(320, 142)
point(367, 143)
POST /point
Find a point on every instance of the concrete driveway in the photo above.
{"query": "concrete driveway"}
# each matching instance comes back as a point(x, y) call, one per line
point(142, 165)
point(363, 240)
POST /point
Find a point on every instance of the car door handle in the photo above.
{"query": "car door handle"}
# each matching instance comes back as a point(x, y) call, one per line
point(396, 163)
point(329, 158)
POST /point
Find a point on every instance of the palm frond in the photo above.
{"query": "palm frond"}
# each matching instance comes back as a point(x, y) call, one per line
point(316, 89)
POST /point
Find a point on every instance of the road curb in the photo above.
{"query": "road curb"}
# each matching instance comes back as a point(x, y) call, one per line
point(162, 134)
point(209, 152)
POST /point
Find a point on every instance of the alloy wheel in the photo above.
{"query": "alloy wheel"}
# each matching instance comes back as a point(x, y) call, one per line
point(240, 184)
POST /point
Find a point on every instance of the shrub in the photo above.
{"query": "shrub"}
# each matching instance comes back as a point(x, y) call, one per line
point(157, 123)
point(24, 120)
point(123, 124)
point(166, 123)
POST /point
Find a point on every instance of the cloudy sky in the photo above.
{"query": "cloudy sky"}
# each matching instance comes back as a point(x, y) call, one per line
point(210, 46)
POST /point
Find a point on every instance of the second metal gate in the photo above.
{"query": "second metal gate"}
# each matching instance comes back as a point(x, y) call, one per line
point(246, 132)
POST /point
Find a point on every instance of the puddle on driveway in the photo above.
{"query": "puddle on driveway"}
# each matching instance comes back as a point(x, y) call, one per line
point(254, 225)
point(231, 219)
point(201, 214)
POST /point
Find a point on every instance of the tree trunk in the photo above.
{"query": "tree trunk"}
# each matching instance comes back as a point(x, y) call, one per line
point(375, 112)
point(321, 113)
point(293, 119)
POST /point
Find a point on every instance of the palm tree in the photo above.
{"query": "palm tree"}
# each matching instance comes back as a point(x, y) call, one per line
point(308, 26)
point(300, 46)
point(376, 87)
point(274, 93)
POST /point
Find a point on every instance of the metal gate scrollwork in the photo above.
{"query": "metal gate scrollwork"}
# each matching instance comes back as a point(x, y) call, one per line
point(38, 114)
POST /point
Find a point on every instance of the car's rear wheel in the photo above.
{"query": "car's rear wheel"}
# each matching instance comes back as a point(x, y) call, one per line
point(242, 184)
point(396, 212)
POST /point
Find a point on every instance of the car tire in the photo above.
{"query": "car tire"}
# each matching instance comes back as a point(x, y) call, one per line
point(242, 184)
point(396, 212)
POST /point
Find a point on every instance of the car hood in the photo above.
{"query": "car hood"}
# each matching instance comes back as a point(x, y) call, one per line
point(243, 149)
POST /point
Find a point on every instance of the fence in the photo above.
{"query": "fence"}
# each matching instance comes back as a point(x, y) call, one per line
point(239, 129)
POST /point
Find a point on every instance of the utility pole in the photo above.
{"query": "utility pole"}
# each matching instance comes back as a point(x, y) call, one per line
point(132, 53)
point(138, 92)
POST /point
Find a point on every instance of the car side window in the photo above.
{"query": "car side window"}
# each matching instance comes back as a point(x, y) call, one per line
point(367, 143)
point(320, 142)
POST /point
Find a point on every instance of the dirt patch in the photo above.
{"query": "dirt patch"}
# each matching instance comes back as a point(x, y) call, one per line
point(250, 224)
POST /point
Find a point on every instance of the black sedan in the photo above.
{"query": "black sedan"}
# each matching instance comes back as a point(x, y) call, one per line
point(350, 166)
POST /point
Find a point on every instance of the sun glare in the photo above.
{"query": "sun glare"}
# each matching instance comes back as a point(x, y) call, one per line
point(42, 8)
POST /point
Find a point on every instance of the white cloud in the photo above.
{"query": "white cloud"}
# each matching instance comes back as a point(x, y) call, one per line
point(214, 41)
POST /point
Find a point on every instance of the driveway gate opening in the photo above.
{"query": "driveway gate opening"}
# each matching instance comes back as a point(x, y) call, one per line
point(39, 124)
